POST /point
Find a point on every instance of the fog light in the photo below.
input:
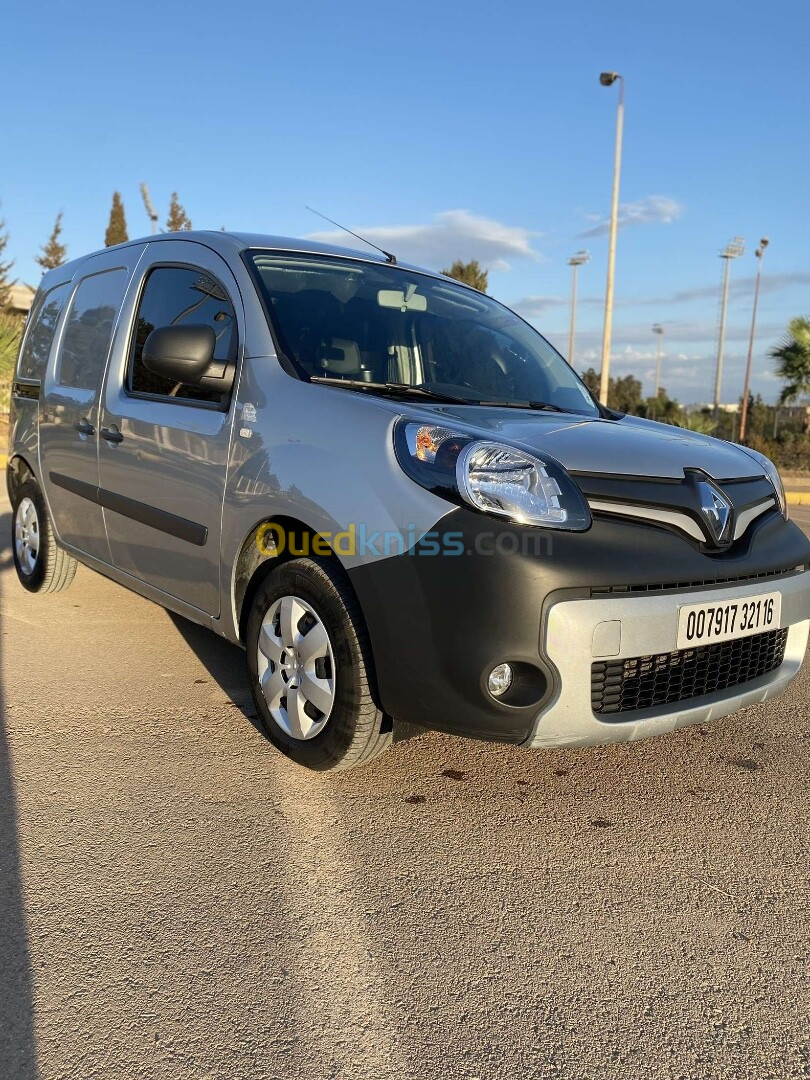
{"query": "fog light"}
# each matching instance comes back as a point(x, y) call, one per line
point(500, 679)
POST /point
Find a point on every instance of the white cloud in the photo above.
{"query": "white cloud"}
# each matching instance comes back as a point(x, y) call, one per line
point(531, 306)
point(453, 234)
point(740, 288)
point(653, 209)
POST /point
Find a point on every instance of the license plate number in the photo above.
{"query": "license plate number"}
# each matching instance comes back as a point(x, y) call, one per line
point(702, 624)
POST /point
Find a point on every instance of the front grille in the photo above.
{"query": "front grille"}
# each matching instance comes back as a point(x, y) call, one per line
point(642, 682)
point(680, 586)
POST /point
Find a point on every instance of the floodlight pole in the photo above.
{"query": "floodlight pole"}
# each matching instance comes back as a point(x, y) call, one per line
point(574, 262)
point(729, 252)
point(747, 384)
point(658, 330)
point(607, 78)
point(150, 210)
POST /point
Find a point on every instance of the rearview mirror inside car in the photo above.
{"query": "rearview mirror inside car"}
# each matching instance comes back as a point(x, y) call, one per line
point(409, 300)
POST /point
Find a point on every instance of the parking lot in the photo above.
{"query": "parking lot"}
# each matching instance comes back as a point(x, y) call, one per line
point(179, 901)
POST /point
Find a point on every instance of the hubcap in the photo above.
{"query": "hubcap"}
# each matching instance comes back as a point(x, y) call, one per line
point(26, 536)
point(296, 667)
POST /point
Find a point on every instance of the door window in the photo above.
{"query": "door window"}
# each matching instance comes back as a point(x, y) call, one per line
point(88, 334)
point(176, 295)
point(41, 329)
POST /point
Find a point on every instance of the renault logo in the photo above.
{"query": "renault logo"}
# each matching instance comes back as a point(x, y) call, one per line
point(715, 509)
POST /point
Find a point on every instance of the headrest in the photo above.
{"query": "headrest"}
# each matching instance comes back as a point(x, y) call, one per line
point(340, 357)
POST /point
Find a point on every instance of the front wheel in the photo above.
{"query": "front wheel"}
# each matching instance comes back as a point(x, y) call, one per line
point(310, 670)
point(42, 566)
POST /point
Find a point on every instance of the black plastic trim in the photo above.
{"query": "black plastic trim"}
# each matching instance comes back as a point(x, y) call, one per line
point(161, 520)
point(439, 623)
point(27, 388)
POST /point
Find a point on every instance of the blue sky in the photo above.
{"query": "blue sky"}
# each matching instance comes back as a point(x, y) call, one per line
point(447, 129)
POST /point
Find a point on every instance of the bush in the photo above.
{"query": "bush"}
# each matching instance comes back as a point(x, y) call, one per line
point(789, 452)
point(10, 333)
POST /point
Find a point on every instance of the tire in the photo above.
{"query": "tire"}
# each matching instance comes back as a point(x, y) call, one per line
point(327, 717)
point(42, 566)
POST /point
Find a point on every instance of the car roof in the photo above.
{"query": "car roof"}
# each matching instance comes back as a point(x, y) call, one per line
point(231, 243)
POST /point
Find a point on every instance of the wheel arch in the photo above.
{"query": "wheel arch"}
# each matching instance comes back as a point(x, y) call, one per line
point(257, 559)
point(18, 470)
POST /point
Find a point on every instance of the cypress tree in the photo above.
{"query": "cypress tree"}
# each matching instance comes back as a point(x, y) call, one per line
point(54, 253)
point(178, 220)
point(117, 228)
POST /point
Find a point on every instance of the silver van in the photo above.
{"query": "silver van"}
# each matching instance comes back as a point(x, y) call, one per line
point(396, 495)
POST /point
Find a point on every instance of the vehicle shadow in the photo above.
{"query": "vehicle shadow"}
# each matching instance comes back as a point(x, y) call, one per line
point(17, 1042)
point(224, 662)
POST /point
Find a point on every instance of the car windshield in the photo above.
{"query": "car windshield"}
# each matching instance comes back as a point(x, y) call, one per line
point(378, 324)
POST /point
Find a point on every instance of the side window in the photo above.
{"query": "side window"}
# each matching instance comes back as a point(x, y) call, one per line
point(175, 295)
point(41, 329)
point(88, 333)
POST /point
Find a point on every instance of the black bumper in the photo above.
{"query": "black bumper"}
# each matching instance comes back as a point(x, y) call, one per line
point(440, 623)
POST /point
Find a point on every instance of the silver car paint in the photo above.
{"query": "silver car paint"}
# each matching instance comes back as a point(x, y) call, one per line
point(62, 450)
point(649, 625)
point(631, 446)
point(173, 456)
point(303, 458)
point(320, 455)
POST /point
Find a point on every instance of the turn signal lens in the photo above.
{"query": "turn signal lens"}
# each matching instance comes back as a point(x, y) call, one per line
point(424, 441)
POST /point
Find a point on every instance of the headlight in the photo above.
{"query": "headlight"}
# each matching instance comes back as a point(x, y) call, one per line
point(491, 476)
point(772, 473)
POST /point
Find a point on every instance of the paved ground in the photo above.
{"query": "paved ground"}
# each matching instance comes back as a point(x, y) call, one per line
point(177, 901)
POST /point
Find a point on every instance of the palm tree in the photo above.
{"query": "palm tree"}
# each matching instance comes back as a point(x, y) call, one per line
point(793, 360)
point(700, 422)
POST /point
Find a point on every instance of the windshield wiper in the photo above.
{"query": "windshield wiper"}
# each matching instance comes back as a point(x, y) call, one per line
point(393, 388)
point(537, 405)
point(435, 395)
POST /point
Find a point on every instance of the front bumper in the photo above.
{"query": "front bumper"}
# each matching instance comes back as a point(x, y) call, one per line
point(647, 625)
point(438, 623)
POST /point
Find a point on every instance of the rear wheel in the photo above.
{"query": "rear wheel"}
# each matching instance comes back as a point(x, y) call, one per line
point(42, 566)
point(310, 671)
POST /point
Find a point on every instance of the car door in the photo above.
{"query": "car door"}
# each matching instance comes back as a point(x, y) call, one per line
point(162, 473)
point(68, 415)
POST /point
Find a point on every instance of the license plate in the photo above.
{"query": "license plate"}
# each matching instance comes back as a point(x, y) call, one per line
point(724, 620)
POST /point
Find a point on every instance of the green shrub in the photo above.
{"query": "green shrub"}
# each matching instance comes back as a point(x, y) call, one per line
point(790, 452)
point(10, 333)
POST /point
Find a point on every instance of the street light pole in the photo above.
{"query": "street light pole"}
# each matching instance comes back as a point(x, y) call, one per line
point(658, 330)
point(151, 213)
point(746, 386)
point(608, 78)
point(574, 262)
point(731, 251)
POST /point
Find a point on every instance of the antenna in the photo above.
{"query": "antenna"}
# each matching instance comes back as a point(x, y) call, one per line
point(150, 210)
point(390, 258)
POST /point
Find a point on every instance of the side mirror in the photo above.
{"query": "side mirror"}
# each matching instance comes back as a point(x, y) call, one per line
point(180, 353)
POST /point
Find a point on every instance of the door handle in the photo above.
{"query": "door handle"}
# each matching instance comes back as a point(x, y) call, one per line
point(84, 427)
point(112, 435)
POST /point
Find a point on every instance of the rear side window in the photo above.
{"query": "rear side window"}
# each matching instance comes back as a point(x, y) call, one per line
point(179, 295)
point(38, 340)
point(87, 337)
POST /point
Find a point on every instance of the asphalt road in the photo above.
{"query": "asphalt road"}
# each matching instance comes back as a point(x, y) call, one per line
point(178, 901)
